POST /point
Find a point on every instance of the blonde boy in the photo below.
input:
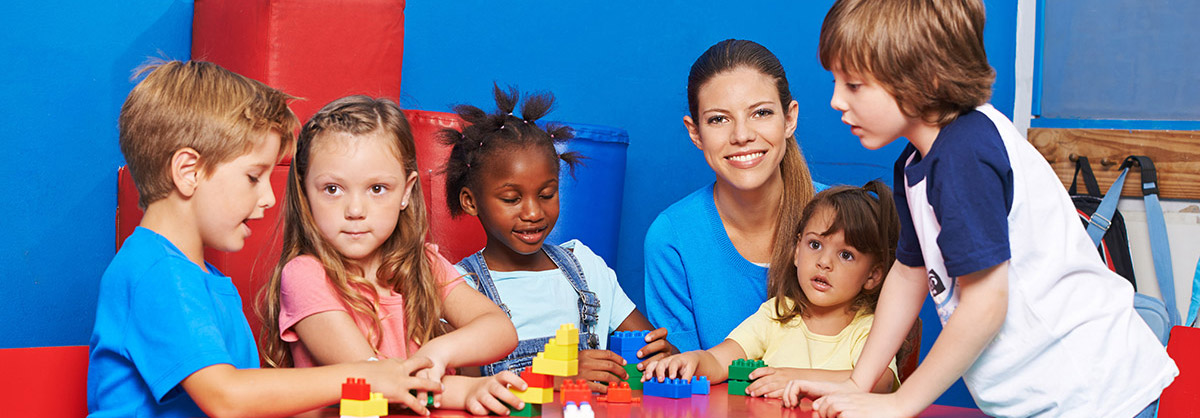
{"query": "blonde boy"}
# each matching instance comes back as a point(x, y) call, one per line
point(1033, 321)
point(170, 338)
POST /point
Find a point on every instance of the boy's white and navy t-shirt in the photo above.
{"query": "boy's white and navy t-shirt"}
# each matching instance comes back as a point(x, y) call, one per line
point(1071, 343)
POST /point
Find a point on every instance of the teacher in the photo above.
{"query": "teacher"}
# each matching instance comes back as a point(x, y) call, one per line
point(707, 255)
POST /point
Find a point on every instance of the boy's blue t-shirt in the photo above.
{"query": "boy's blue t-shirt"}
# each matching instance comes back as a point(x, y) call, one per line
point(159, 319)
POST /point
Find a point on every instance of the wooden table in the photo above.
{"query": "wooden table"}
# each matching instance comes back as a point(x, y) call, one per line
point(717, 404)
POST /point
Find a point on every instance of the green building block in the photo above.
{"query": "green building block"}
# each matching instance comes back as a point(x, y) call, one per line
point(741, 368)
point(531, 410)
point(635, 377)
point(738, 387)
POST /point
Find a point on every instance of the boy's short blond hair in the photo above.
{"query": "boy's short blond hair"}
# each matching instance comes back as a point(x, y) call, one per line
point(928, 54)
point(199, 105)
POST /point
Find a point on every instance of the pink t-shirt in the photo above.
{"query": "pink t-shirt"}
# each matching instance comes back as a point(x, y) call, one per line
point(305, 290)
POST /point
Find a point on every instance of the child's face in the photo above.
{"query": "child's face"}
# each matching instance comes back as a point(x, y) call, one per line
point(830, 271)
point(742, 127)
point(872, 113)
point(234, 192)
point(357, 186)
point(516, 201)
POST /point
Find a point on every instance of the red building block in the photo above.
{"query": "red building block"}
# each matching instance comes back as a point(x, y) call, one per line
point(356, 389)
point(575, 391)
point(619, 392)
point(537, 380)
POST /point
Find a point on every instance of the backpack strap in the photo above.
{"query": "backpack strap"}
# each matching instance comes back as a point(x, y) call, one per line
point(1089, 179)
point(1191, 317)
point(1160, 247)
point(1102, 218)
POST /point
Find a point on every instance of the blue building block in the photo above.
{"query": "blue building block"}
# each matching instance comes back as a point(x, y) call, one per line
point(700, 385)
point(627, 343)
point(669, 388)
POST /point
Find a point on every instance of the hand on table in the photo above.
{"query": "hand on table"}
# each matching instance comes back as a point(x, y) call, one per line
point(485, 394)
point(795, 390)
point(771, 382)
point(599, 368)
point(862, 404)
point(657, 347)
point(679, 366)
point(435, 372)
point(398, 380)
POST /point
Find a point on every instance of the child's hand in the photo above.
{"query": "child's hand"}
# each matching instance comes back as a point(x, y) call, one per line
point(485, 394)
point(795, 390)
point(395, 379)
point(657, 347)
point(680, 366)
point(770, 382)
point(861, 404)
point(435, 372)
point(599, 368)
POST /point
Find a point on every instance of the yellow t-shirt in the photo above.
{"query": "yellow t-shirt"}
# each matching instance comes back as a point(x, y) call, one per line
point(793, 345)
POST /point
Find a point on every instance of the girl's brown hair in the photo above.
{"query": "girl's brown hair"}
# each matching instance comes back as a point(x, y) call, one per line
point(928, 54)
point(732, 54)
point(868, 219)
point(405, 266)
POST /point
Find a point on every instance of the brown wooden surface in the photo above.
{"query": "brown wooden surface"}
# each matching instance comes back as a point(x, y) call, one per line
point(717, 404)
point(1176, 155)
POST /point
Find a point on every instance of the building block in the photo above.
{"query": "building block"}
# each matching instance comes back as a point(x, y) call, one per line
point(627, 343)
point(557, 351)
point(537, 380)
point(582, 410)
point(738, 387)
point(553, 367)
point(575, 391)
point(741, 368)
point(619, 392)
point(530, 410)
point(356, 389)
point(535, 395)
point(635, 376)
point(567, 333)
point(700, 385)
point(376, 406)
point(668, 388)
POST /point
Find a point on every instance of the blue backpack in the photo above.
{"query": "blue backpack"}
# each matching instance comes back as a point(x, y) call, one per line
point(1160, 314)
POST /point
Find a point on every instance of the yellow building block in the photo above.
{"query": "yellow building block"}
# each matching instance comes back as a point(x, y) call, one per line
point(535, 395)
point(567, 334)
point(377, 406)
point(566, 352)
point(553, 367)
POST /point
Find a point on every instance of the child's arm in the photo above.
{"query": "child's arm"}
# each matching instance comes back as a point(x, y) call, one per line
point(713, 363)
point(482, 333)
point(483, 395)
point(771, 381)
point(222, 390)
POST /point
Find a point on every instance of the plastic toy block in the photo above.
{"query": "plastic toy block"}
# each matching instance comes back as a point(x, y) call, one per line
point(530, 410)
point(553, 367)
point(635, 376)
point(700, 385)
point(535, 395)
point(741, 368)
point(583, 410)
point(557, 351)
point(537, 380)
point(668, 388)
point(738, 387)
point(376, 406)
point(428, 397)
point(627, 340)
point(575, 391)
point(619, 392)
point(567, 333)
point(356, 389)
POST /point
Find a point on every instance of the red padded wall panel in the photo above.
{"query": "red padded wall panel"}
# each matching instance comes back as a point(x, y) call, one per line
point(318, 50)
point(457, 238)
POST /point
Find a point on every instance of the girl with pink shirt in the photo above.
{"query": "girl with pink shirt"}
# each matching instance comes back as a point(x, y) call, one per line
point(356, 279)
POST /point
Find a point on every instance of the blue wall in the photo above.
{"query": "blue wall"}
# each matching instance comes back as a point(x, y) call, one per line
point(66, 69)
point(66, 66)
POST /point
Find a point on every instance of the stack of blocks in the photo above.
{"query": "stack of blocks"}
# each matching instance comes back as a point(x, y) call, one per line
point(560, 358)
point(739, 375)
point(359, 402)
point(626, 344)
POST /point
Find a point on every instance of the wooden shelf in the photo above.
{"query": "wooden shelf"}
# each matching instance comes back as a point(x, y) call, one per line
point(1176, 155)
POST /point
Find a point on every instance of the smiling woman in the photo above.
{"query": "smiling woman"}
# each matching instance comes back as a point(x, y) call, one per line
point(707, 255)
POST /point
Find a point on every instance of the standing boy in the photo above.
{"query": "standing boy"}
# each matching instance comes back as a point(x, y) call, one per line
point(170, 337)
point(1033, 321)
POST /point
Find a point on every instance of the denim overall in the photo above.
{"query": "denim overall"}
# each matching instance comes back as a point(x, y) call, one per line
point(589, 307)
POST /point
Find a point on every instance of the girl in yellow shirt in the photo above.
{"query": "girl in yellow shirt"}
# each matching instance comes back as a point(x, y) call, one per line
point(822, 298)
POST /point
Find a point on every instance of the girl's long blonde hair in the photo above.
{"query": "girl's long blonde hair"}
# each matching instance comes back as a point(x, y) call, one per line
point(405, 267)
